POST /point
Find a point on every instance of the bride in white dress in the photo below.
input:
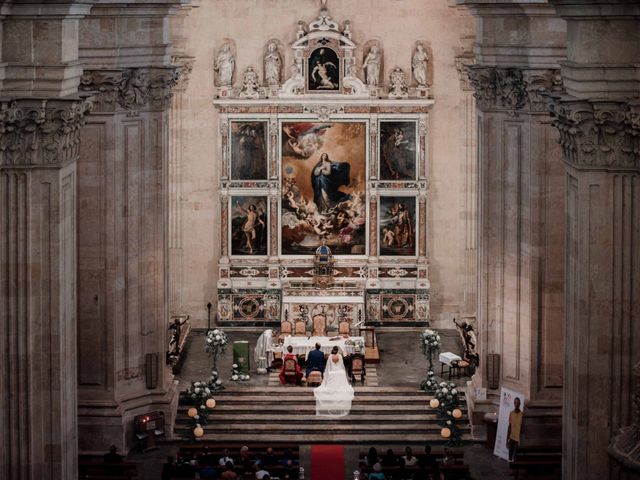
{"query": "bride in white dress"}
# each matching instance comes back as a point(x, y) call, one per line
point(334, 396)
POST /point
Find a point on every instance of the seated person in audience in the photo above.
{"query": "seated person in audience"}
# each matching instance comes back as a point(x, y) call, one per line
point(225, 459)
point(389, 459)
point(372, 457)
point(228, 473)
point(429, 463)
point(377, 474)
point(207, 457)
point(168, 469)
point(315, 360)
point(408, 458)
point(448, 457)
point(288, 458)
point(208, 472)
point(261, 473)
point(269, 458)
point(186, 469)
point(112, 456)
point(298, 370)
point(245, 458)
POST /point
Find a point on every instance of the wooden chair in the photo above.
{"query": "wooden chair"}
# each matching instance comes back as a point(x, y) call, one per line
point(344, 328)
point(357, 367)
point(314, 378)
point(290, 375)
point(300, 329)
point(286, 328)
point(319, 326)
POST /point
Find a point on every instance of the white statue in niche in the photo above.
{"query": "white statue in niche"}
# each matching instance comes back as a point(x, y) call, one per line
point(399, 88)
point(225, 65)
point(272, 65)
point(419, 66)
point(250, 86)
point(372, 67)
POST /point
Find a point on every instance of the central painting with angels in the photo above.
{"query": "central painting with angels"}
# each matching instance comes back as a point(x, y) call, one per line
point(324, 187)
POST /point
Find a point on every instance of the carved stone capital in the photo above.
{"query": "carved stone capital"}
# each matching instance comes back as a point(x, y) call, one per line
point(186, 67)
point(41, 132)
point(463, 62)
point(600, 135)
point(131, 89)
point(513, 89)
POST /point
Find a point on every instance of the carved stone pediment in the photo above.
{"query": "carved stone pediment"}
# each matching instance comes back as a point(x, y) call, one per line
point(41, 132)
point(324, 66)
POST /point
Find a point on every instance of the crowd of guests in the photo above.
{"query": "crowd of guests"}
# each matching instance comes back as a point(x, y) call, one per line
point(405, 467)
point(232, 466)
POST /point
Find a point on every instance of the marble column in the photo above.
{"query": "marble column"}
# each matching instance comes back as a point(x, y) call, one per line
point(520, 208)
point(123, 203)
point(469, 193)
point(599, 124)
point(38, 430)
point(178, 139)
point(40, 118)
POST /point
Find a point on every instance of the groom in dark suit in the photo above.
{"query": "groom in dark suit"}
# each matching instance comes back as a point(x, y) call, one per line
point(315, 360)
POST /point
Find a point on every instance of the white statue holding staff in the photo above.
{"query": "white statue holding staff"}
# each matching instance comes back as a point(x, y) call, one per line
point(419, 66)
point(225, 66)
point(372, 67)
point(272, 65)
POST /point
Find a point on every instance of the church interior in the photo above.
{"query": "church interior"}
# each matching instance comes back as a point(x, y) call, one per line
point(322, 239)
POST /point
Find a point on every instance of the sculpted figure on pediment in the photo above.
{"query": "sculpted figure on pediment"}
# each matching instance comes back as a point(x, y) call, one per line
point(225, 65)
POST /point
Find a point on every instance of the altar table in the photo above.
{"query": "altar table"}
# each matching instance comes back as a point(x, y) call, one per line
point(303, 345)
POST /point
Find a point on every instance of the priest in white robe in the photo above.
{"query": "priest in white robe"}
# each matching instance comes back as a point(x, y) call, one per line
point(264, 345)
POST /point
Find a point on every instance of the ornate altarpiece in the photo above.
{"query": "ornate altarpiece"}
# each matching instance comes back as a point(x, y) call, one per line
point(367, 198)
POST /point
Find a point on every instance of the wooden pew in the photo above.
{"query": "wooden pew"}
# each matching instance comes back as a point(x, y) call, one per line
point(99, 470)
point(538, 467)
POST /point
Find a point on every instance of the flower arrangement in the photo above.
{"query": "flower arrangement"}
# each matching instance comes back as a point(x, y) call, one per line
point(430, 343)
point(236, 375)
point(445, 401)
point(215, 344)
point(430, 384)
point(201, 396)
point(358, 345)
point(200, 392)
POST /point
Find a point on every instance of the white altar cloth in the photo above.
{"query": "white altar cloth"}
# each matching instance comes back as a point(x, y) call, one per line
point(303, 345)
point(448, 357)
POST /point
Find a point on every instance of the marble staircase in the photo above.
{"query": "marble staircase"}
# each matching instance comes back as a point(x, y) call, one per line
point(380, 415)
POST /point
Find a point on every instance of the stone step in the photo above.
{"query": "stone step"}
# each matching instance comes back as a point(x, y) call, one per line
point(313, 418)
point(310, 406)
point(271, 438)
point(300, 397)
point(344, 425)
point(286, 390)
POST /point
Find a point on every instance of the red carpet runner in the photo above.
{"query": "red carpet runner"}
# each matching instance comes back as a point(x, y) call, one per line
point(327, 462)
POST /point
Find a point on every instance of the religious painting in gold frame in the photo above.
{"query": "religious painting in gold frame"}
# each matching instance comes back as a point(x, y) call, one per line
point(323, 187)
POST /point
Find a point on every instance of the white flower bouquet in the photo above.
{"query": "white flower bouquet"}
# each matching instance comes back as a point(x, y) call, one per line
point(215, 343)
point(236, 375)
point(430, 343)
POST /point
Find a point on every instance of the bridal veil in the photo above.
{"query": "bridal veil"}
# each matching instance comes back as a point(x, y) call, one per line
point(335, 394)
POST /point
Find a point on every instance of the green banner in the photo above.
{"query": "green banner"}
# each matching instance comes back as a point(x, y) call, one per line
point(241, 356)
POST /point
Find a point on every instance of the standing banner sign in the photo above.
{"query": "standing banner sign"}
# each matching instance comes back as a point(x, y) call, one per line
point(507, 396)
